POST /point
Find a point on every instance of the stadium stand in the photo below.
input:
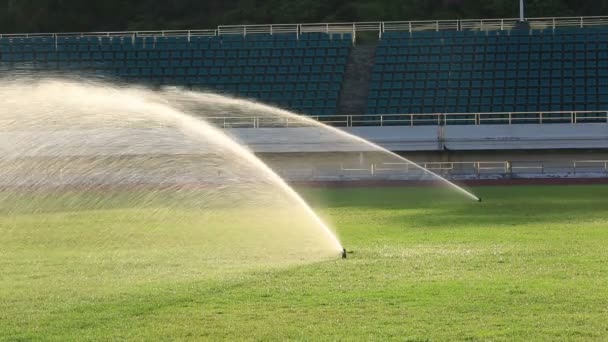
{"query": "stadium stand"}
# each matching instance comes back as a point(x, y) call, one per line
point(491, 71)
point(302, 72)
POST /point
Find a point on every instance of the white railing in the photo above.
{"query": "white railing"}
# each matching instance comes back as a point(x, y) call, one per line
point(499, 167)
point(554, 169)
point(350, 27)
point(430, 119)
point(480, 168)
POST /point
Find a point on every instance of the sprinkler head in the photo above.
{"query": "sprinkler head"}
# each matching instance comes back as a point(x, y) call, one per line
point(478, 199)
point(343, 253)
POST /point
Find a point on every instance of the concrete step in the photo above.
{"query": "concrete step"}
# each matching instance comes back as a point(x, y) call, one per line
point(357, 77)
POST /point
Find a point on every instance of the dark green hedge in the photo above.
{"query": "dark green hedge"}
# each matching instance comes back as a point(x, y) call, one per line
point(104, 15)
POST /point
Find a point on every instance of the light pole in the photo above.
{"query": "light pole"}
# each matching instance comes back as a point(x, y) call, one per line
point(521, 10)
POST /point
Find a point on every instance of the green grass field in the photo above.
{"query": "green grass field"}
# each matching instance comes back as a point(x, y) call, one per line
point(528, 263)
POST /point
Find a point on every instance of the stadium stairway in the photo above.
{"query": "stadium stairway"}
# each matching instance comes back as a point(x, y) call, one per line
point(357, 77)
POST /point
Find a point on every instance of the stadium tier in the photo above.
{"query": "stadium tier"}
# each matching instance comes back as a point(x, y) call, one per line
point(459, 69)
point(302, 72)
point(491, 71)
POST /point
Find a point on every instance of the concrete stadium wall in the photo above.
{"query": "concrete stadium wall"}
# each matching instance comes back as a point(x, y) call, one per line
point(311, 154)
point(417, 139)
point(338, 166)
point(429, 138)
point(531, 151)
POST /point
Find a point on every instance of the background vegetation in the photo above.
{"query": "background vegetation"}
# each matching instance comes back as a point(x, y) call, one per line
point(115, 15)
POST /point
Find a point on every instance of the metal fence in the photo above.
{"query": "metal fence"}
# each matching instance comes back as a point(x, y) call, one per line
point(450, 170)
point(521, 168)
point(430, 119)
point(350, 27)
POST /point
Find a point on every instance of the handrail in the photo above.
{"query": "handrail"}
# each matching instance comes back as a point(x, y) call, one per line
point(503, 169)
point(478, 168)
point(422, 119)
point(347, 27)
point(514, 164)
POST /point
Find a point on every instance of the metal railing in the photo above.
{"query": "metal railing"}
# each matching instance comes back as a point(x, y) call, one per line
point(429, 119)
point(468, 167)
point(505, 167)
point(480, 168)
point(554, 169)
point(349, 27)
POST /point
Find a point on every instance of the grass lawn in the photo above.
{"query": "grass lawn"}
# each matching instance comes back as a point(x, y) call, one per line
point(528, 263)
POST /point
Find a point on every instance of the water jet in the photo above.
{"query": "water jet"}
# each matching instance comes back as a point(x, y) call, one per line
point(195, 102)
point(174, 183)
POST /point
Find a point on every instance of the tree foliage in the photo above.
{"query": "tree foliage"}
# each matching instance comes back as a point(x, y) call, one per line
point(118, 15)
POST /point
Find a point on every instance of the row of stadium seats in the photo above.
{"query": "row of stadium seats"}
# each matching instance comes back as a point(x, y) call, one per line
point(127, 46)
point(492, 93)
point(565, 31)
point(539, 86)
point(489, 63)
point(496, 40)
point(167, 43)
point(164, 54)
point(490, 71)
point(251, 37)
point(273, 65)
point(283, 65)
point(597, 50)
point(200, 76)
point(486, 104)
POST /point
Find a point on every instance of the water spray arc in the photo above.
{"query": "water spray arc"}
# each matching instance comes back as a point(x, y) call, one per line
point(246, 108)
point(152, 156)
point(75, 146)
